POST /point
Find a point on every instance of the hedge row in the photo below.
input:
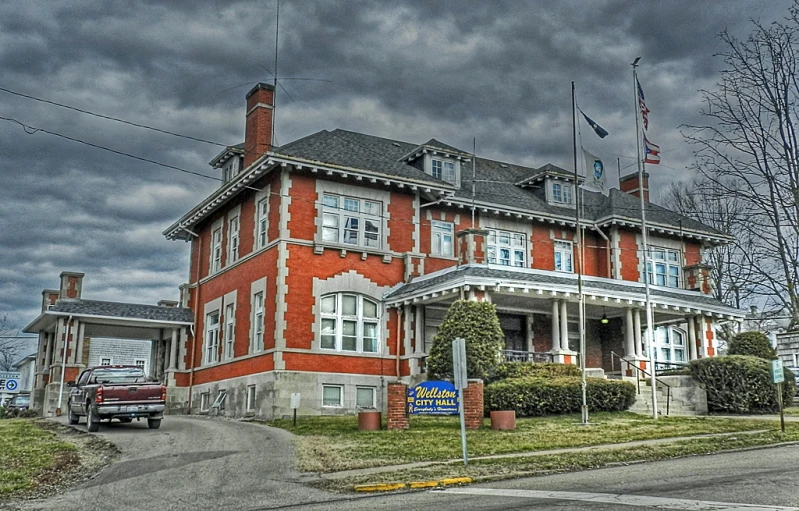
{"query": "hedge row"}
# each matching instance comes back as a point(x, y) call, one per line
point(532, 370)
point(741, 384)
point(531, 397)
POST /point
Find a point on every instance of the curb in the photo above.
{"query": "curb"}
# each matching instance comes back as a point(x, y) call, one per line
point(415, 485)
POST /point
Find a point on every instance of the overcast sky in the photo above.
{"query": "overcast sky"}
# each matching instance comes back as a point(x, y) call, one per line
point(497, 71)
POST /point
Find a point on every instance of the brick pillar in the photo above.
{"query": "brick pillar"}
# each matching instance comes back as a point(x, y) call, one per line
point(473, 411)
point(397, 408)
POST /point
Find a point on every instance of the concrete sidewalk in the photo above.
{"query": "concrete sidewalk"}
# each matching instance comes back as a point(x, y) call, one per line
point(602, 447)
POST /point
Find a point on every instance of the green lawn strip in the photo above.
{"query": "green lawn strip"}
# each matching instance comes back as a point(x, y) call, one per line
point(330, 444)
point(507, 468)
point(792, 411)
point(29, 454)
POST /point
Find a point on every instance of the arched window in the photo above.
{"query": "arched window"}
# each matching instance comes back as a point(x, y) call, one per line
point(349, 322)
point(670, 347)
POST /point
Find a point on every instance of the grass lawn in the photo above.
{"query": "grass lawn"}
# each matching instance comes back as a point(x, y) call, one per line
point(330, 444)
point(29, 454)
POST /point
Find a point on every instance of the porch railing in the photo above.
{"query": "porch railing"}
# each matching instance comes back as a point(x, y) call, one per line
point(626, 364)
point(527, 356)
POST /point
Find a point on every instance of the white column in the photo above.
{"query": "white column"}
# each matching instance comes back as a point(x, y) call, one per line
point(564, 326)
point(419, 334)
point(691, 338)
point(530, 333)
point(48, 354)
point(555, 325)
point(702, 335)
point(77, 356)
point(629, 335)
point(639, 352)
point(173, 350)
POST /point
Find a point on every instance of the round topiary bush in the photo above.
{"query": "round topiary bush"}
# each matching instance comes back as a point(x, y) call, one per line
point(531, 397)
point(478, 324)
point(753, 344)
point(740, 384)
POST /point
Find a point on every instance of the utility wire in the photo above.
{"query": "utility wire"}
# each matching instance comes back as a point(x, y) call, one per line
point(111, 118)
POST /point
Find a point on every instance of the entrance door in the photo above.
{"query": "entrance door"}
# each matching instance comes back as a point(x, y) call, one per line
point(515, 328)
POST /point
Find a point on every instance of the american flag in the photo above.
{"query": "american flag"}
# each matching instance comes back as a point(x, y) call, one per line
point(642, 104)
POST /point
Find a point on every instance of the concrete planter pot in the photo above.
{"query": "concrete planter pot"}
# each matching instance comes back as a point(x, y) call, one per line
point(369, 420)
point(503, 420)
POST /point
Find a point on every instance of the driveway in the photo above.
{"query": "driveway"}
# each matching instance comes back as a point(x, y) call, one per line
point(191, 463)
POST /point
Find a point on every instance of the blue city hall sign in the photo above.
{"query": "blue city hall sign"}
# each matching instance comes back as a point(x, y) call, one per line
point(434, 398)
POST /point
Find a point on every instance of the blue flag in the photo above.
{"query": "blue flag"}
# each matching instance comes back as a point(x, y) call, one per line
point(599, 130)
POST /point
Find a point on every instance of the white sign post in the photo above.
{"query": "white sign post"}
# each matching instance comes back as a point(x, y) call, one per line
point(778, 376)
point(295, 403)
point(9, 382)
point(461, 382)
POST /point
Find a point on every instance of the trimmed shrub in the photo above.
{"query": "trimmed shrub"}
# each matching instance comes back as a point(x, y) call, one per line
point(740, 384)
point(753, 344)
point(532, 370)
point(532, 397)
point(478, 324)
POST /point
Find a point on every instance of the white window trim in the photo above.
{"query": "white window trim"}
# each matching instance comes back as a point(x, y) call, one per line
point(564, 185)
point(143, 364)
point(514, 249)
point(228, 352)
point(233, 239)
point(356, 192)
point(359, 319)
point(340, 396)
point(205, 401)
point(211, 339)
point(110, 361)
point(672, 347)
point(563, 251)
point(251, 394)
point(261, 230)
point(428, 167)
point(219, 402)
point(215, 252)
point(342, 215)
point(678, 263)
point(439, 227)
point(374, 396)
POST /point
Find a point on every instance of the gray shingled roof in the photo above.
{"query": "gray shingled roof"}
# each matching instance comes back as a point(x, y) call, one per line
point(124, 310)
point(589, 286)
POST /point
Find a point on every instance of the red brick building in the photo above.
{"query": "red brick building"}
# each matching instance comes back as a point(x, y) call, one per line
point(325, 266)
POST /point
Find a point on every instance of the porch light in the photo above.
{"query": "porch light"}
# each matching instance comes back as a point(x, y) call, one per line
point(604, 319)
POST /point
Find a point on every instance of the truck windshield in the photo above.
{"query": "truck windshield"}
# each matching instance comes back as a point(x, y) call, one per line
point(118, 375)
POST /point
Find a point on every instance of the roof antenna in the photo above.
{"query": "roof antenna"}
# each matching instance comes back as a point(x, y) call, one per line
point(274, 99)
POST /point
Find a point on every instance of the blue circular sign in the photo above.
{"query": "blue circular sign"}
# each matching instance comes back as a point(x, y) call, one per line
point(11, 385)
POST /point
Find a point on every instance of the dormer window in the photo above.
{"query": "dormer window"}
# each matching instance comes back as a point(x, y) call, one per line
point(444, 170)
point(562, 193)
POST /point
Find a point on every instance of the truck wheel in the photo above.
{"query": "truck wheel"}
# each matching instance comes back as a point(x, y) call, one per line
point(92, 422)
point(73, 419)
point(153, 423)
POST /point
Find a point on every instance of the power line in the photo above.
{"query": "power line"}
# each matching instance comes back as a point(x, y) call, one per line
point(108, 117)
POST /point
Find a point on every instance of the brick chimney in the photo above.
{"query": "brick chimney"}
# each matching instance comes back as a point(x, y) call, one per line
point(49, 297)
point(258, 132)
point(629, 184)
point(71, 284)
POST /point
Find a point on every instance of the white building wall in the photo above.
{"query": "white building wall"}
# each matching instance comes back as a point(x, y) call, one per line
point(120, 351)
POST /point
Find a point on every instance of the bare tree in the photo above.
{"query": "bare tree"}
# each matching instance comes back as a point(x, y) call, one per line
point(748, 151)
point(9, 345)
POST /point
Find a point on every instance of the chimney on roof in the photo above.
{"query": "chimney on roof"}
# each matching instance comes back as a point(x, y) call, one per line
point(49, 297)
point(629, 184)
point(258, 131)
point(71, 285)
point(167, 303)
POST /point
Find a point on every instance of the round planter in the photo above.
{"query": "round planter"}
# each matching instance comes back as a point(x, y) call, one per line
point(369, 421)
point(503, 420)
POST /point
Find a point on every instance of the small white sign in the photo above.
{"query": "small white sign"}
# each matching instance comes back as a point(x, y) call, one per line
point(295, 400)
point(459, 363)
point(777, 374)
point(9, 382)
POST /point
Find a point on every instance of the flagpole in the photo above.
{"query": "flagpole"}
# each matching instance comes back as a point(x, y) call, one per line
point(644, 230)
point(579, 239)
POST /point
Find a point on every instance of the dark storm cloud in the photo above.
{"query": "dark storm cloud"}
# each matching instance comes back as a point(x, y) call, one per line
point(499, 72)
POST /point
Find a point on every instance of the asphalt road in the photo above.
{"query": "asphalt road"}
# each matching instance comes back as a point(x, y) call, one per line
point(191, 464)
point(197, 464)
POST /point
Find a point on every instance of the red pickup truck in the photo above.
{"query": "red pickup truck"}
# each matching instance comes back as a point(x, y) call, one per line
point(115, 392)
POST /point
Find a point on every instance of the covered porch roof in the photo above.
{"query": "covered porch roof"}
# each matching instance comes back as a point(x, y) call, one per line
point(532, 291)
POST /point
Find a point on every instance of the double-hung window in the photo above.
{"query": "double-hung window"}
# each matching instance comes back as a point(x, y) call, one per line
point(349, 323)
point(444, 170)
point(351, 221)
point(442, 236)
point(562, 193)
point(212, 338)
point(564, 256)
point(233, 240)
point(230, 323)
point(258, 322)
point(507, 248)
point(666, 264)
point(263, 222)
point(216, 250)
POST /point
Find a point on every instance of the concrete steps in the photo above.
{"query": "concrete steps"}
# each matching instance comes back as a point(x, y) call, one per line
point(685, 398)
